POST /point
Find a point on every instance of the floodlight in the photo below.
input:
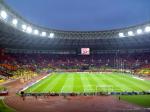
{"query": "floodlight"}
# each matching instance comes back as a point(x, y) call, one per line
point(3, 14)
point(121, 35)
point(139, 31)
point(14, 22)
point(29, 29)
point(36, 32)
point(147, 29)
point(51, 35)
point(130, 33)
point(24, 27)
point(43, 34)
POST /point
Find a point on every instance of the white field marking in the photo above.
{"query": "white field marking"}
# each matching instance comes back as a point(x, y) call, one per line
point(41, 84)
point(89, 88)
point(53, 83)
point(83, 81)
point(86, 84)
point(34, 82)
point(63, 89)
point(66, 86)
point(96, 80)
point(82, 72)
point(63, 86)
point(2, 97)
point(147, 108)
point(113, 85)
point(133, 83)
point(117, 82)
point(8, 106)
point(137, 78)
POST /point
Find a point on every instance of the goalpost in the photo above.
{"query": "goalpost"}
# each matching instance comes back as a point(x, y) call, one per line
point(108, 88)
point(90, 89)
point(86, 89)
point(105, 88)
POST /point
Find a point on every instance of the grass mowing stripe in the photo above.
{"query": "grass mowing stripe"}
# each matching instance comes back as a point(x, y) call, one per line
point(116, 86)
point(85, 82)
point(100, 79)
point(49, 85)
point(126, 81)
point(110, 86)
point(139, 83)
point(44, 85)
point(92, 82)
point(142, 83)
point(101, 86)
point(78, 86)
point(96, 81)
point(68, 85)
point(34, 87)
point(119, 84)
point(131, 84)
point(77, 82)
point(60, 83)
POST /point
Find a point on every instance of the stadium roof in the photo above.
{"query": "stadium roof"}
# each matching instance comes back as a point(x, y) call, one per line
point(17, 32)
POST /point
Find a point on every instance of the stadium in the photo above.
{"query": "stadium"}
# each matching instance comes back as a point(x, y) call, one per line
point(51, 70)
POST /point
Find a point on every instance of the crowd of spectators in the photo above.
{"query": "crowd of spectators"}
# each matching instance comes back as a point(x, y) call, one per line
point(35, 62)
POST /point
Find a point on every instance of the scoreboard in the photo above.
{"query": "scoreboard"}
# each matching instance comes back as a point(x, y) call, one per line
point(85, 51)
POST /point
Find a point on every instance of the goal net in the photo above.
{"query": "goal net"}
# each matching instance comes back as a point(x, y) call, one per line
point(108, 88)
point(89, 89)
point(105, 88)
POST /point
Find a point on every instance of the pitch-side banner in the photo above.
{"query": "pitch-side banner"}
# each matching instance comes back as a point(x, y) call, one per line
point(85, 51)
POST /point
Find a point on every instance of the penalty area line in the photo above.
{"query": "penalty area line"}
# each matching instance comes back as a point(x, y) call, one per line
point(26, 87)
point(138, 78)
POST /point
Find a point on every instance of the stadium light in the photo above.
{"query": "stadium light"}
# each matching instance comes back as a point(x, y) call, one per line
point(147, 29)
point(29, 29)
point(24, 27)
point(51, 35)
point(121, 35)
point(139, 31)
point(14, 22)
point(43, 34)
point(3, 14)
point(36, 32)
point(130, 33)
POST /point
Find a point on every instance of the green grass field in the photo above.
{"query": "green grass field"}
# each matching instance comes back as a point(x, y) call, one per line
point(4, 108)
point(89, 82)
point(142, 100)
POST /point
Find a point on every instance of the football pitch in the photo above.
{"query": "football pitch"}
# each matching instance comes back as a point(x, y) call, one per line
point(66, 82)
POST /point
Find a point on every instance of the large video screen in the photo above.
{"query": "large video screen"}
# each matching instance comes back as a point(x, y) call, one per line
point(85, 51)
